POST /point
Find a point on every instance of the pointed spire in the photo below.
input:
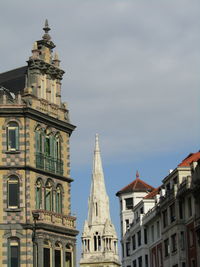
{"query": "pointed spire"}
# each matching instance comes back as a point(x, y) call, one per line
point(97, 149)
point(137, 175)
point(46, 29)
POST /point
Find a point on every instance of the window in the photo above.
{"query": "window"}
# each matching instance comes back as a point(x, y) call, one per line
point(182, 240)
point(133, 242)
point(146, 261)
point(97, 242)
point(145, 236)
point(181, 209)
point(57, 148)
point(129, 203)
point(13, 192)
point(142, 210)
point(127, 249)
point(58, 199)
point(58, 255)
point(68, 256)
point(139, 238)
point(47, 254)
point(158, 229)
point(152, 233)
point(166, 247)
point(172, 213)
point(49, 196)
point(189, 207)
point(127, 224)
point(165, 221)
point(140, 261)
point(174, 242)
point(12, 136)
point(134, 263)
point(13, 252)
point(38, 194)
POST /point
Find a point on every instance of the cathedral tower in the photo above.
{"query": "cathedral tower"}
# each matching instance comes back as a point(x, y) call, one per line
point(99, 238)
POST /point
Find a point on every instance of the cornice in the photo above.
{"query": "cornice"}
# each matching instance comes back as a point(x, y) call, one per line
point(38, 116)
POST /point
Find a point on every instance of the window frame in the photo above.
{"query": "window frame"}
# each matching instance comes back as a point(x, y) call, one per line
point(13, 180)
point(12, 126)
point(16, 243)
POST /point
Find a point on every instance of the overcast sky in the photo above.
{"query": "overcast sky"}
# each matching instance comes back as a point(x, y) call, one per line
point(132, 75)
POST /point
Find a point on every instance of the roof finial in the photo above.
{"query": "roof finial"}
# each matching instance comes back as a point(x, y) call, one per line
point(137, 175)
point(46, 29)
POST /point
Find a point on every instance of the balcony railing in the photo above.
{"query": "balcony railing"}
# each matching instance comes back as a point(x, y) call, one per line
point(53, 218)
point(49, 164)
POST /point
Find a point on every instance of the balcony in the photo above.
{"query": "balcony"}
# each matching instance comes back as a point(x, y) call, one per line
point(55, 219)
point(48, 163)
point(185, 186)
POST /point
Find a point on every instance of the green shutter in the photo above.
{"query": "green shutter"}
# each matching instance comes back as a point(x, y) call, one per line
point(17, 138)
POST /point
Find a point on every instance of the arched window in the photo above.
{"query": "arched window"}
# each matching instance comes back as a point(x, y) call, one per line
point(13, 252)
point(68, 256)
point(58, 254)
point(57, 147)
point(13, 192)
point(59, 199)
point(49, 196)
point(38, 194)
point(12, 136)
point(39, 140)
point(47, 260)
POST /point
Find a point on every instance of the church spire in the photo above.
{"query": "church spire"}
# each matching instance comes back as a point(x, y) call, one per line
point(99, 238)
point(98, 200)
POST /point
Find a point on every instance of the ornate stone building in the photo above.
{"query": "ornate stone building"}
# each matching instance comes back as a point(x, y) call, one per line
point(36, 226)
point(99, 239)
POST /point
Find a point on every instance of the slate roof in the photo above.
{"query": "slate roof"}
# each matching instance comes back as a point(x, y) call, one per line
point(136, 186)
point(189, 159)
point(14, 80)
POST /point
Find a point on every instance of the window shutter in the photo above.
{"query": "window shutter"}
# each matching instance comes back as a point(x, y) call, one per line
point(17, 138)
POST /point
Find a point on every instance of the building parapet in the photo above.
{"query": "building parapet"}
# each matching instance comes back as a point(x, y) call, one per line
point(54, 218)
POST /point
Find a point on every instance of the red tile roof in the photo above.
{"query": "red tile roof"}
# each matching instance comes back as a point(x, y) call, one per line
point(153, 193)
point(137, 185)
point(189, 159)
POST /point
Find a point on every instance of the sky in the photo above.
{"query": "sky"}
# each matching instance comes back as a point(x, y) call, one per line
point(132, 75)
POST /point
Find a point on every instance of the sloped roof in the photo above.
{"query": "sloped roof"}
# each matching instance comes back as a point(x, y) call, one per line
point(189, 159)
point(136, 186)
point(153, 193)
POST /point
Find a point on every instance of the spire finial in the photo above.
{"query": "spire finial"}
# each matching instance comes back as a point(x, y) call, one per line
point(137, 175)
point(97, 143)
point(46, 29)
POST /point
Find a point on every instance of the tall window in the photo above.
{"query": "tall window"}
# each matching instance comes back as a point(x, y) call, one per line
point(166, 247)
point(49, 196)
point(47, 254)
point(38, 194)
point(68, 256)
point(13, 192)
point(57, 147)
point(58, 199)
point(12, 136)
point(39, 138)
point(58, 254)
point(139, 238)
point(13, 252)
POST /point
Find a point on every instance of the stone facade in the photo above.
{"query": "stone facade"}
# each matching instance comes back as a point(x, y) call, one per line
point(36, 226)
point(99, 238)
